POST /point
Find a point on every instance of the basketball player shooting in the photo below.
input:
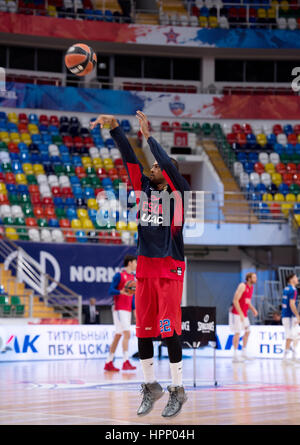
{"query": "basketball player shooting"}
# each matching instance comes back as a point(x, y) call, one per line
point(160, 262)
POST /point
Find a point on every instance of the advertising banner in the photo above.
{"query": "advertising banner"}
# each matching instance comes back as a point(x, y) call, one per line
point(165, 105)
point(189, 36)
point(88, 269)
point(52, 342)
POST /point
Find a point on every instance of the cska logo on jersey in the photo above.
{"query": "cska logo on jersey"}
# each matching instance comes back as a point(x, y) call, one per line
point(177, 107)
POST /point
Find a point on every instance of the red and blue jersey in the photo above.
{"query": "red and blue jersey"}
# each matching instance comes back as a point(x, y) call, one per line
point(289, 293)
point(121, 301)
point(160, 239)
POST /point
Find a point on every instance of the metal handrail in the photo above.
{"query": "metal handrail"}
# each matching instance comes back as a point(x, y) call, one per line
point(24, 264)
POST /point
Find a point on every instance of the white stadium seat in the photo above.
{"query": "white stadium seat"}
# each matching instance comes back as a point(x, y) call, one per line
point(282, 139)
point(274, 158)
point(34, 234)
point(46, 236)
point(238, 168)
point(244, 179)
point(265, 178)
point(292, 23)
point(254, 178)
point(281, 23)
point(263, 158)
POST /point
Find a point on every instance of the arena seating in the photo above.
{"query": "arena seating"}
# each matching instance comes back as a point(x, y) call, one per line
point(203, 14)
point(265, 160)
point(56, 176)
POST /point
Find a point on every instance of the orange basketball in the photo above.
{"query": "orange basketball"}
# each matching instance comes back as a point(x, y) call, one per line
point(80, 59)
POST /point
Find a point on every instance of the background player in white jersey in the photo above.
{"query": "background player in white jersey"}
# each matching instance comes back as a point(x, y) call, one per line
point(290, 316)
point(238, 315)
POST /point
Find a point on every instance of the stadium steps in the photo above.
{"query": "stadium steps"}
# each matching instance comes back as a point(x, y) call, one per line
point(173, 6)
point(147, 18)
point(12, 287)
point(111, 5)
point(233, 211)
point(139, 154)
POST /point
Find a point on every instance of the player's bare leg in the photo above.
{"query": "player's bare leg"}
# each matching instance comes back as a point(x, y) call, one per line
point(127, 366)
point(109, 366)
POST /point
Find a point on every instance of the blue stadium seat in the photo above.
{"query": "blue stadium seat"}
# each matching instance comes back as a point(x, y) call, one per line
point(125, 124)
point(108, 15)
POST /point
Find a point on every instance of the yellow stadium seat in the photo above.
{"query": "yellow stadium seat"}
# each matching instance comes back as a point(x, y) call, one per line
point(202, 21)
point(52, 11)
point(87, 224)
point(15, 137)
point(3, 190)
point(25, 137)
point(4, 135)
point(290, 197)
point(276, 178)
point(297, 218)
point(298, 197)
point(278, 197)
point(274, 3)
point(213, 22)
point(267, 197)
point(21, 178)
point(271, 13)
point(82, 213)
point(12, 117)
point(261, 13)
point(132, 226)
point(86, 161)
point(121, 225)
point(285, 208)
point(261, 139)
point(11, 233)
point(38, 169)
point(270, 168)
point(284, 5)
point(27, 168)
point(92, 204)
point(76, 224)
point(97, 162)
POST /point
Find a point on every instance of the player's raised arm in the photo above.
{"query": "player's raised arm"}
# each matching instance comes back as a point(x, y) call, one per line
point(169, 170)
point(131, 163)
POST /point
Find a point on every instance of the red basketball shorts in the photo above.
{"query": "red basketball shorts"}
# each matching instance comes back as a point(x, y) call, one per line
point(158, 311)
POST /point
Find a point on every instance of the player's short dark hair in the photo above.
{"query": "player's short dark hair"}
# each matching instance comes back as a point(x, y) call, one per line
point(290, 276)
point(175, 163)
point(128, 259)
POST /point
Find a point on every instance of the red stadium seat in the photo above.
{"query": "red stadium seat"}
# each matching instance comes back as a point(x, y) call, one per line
point(35, 199)
point(30, 222)
point(275, 208)
point(277, 129)
point(280, 168)
point(241, 138)
point(50, 212)
point(287, 178)
point(176, 126)
point(22, 127)
point(23, 119)
point(292, 139)
point(101, 173)
point(69, 236)
point(64, 222)
point(38, 211)
point(259, 168)
point(231, 138)
point(33, 188)
point(43, 119)
point(291, 168)
point(3, 199)
point(47, 201)
point(13, 148)
point(165, 126)
point(119, 162)
point(236, 128)
point(297, 129)
point(54, 120)
point(247, 128)
point(80, 171)
point(67, 192)
point(10, 178)
point(56, 191)
point(78, 142)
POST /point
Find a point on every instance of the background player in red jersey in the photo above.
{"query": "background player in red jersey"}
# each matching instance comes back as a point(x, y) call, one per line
point(238, 316)
point(160, 264)
point(121, 310)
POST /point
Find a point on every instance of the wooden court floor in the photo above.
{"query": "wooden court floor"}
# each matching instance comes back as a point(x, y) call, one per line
point(79, 392)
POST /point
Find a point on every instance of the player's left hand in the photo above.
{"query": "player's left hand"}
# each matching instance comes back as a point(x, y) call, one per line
point(255, 313)
point(104, 119)
point(144, 124)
